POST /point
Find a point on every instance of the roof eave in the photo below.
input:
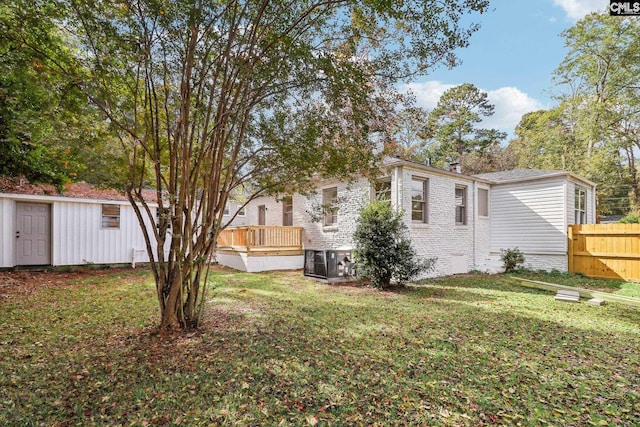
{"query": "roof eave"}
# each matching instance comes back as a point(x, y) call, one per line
point(396, 162)
point(547, 176)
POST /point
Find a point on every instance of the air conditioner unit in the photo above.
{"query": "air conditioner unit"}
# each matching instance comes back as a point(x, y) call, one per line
point(329, 264)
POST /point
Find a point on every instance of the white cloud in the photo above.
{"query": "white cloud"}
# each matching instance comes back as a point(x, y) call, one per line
point(510, 103)
point(427, 93)
point(577, 9)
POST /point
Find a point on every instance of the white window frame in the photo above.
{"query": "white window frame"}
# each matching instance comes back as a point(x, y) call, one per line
point(329, 202)
point(227, 209)
point(484, 191)
point(242, 211)
point(580, 205)
point(110, 219)
point(287, 211)
point(461, 203)
point(424, 191)
point(380, 193)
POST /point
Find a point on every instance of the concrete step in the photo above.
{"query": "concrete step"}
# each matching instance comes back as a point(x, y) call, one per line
point(568, 296)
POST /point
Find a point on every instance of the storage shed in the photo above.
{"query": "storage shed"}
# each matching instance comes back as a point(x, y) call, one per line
point(84, 225)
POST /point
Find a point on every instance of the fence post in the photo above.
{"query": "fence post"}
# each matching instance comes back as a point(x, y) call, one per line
point(570, 246)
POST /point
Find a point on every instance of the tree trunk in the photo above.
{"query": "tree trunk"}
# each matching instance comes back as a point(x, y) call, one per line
point(172, 307)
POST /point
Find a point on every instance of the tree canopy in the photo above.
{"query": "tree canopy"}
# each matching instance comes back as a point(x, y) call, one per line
point(595, 129)
point(48, 131)
point(453, 125)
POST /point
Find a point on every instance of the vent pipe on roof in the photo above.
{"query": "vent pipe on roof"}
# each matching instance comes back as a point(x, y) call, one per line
point(455, 167)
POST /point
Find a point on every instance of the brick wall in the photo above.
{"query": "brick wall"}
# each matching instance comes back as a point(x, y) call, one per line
point(353, 197)
point(440, 237)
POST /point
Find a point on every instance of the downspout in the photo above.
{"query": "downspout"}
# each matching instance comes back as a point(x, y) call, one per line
point(475, 219)
point(565, 214)
point(396, 180)
point(594, 205)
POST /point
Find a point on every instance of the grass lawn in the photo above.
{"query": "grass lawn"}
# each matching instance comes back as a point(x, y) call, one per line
point(277, 349)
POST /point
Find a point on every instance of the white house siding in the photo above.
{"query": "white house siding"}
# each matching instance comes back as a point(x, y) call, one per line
point(273, 214)
point(77, 236)
point(352, 197)
point(531, 216)
point(482, 237)
point(237, 219)
point(7, 237)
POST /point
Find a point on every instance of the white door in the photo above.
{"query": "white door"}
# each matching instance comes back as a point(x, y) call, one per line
point(33, 237)
point(262, 219)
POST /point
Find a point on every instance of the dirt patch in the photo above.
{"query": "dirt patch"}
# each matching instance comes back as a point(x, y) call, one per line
point(25, 282)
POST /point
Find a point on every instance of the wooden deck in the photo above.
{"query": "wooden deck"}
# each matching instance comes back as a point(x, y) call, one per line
point(261, 240)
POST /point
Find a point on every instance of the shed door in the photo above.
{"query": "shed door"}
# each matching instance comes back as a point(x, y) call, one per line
point(262, 219)
point(33, 236)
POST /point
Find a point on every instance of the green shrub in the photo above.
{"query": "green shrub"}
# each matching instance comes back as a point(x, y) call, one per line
point(631, 218)
point(512, 259)
point(383, 250)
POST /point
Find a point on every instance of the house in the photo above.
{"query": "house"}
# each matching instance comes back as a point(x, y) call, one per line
point(463, 221)
point(84, 225)
point(532, 209)
point(236, 212)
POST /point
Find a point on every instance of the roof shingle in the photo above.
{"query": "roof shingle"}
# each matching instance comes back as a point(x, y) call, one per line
point(79, 190)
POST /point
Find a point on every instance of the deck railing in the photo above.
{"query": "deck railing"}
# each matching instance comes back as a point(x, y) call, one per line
point(261, 237)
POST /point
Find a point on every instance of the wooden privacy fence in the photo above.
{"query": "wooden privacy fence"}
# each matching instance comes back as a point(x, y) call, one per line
point(605, 250)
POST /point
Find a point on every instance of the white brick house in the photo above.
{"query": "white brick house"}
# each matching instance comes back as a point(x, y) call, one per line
point(463, 221)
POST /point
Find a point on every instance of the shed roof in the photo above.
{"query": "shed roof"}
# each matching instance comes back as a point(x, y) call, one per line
point(75, 190)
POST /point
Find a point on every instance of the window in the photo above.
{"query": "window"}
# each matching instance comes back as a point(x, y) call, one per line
point(382, 190)
point(110, 216)
point(287, 211)
point(419, 200)
point(226, 210)
point(329, 204)
point(581, 202)
point(483, 202)
point(461, 205)
point(242, 211)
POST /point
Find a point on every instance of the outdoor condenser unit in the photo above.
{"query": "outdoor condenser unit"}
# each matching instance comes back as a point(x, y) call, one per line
point(329, 264)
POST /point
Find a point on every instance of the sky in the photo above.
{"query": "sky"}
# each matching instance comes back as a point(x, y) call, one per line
point(512, 57)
